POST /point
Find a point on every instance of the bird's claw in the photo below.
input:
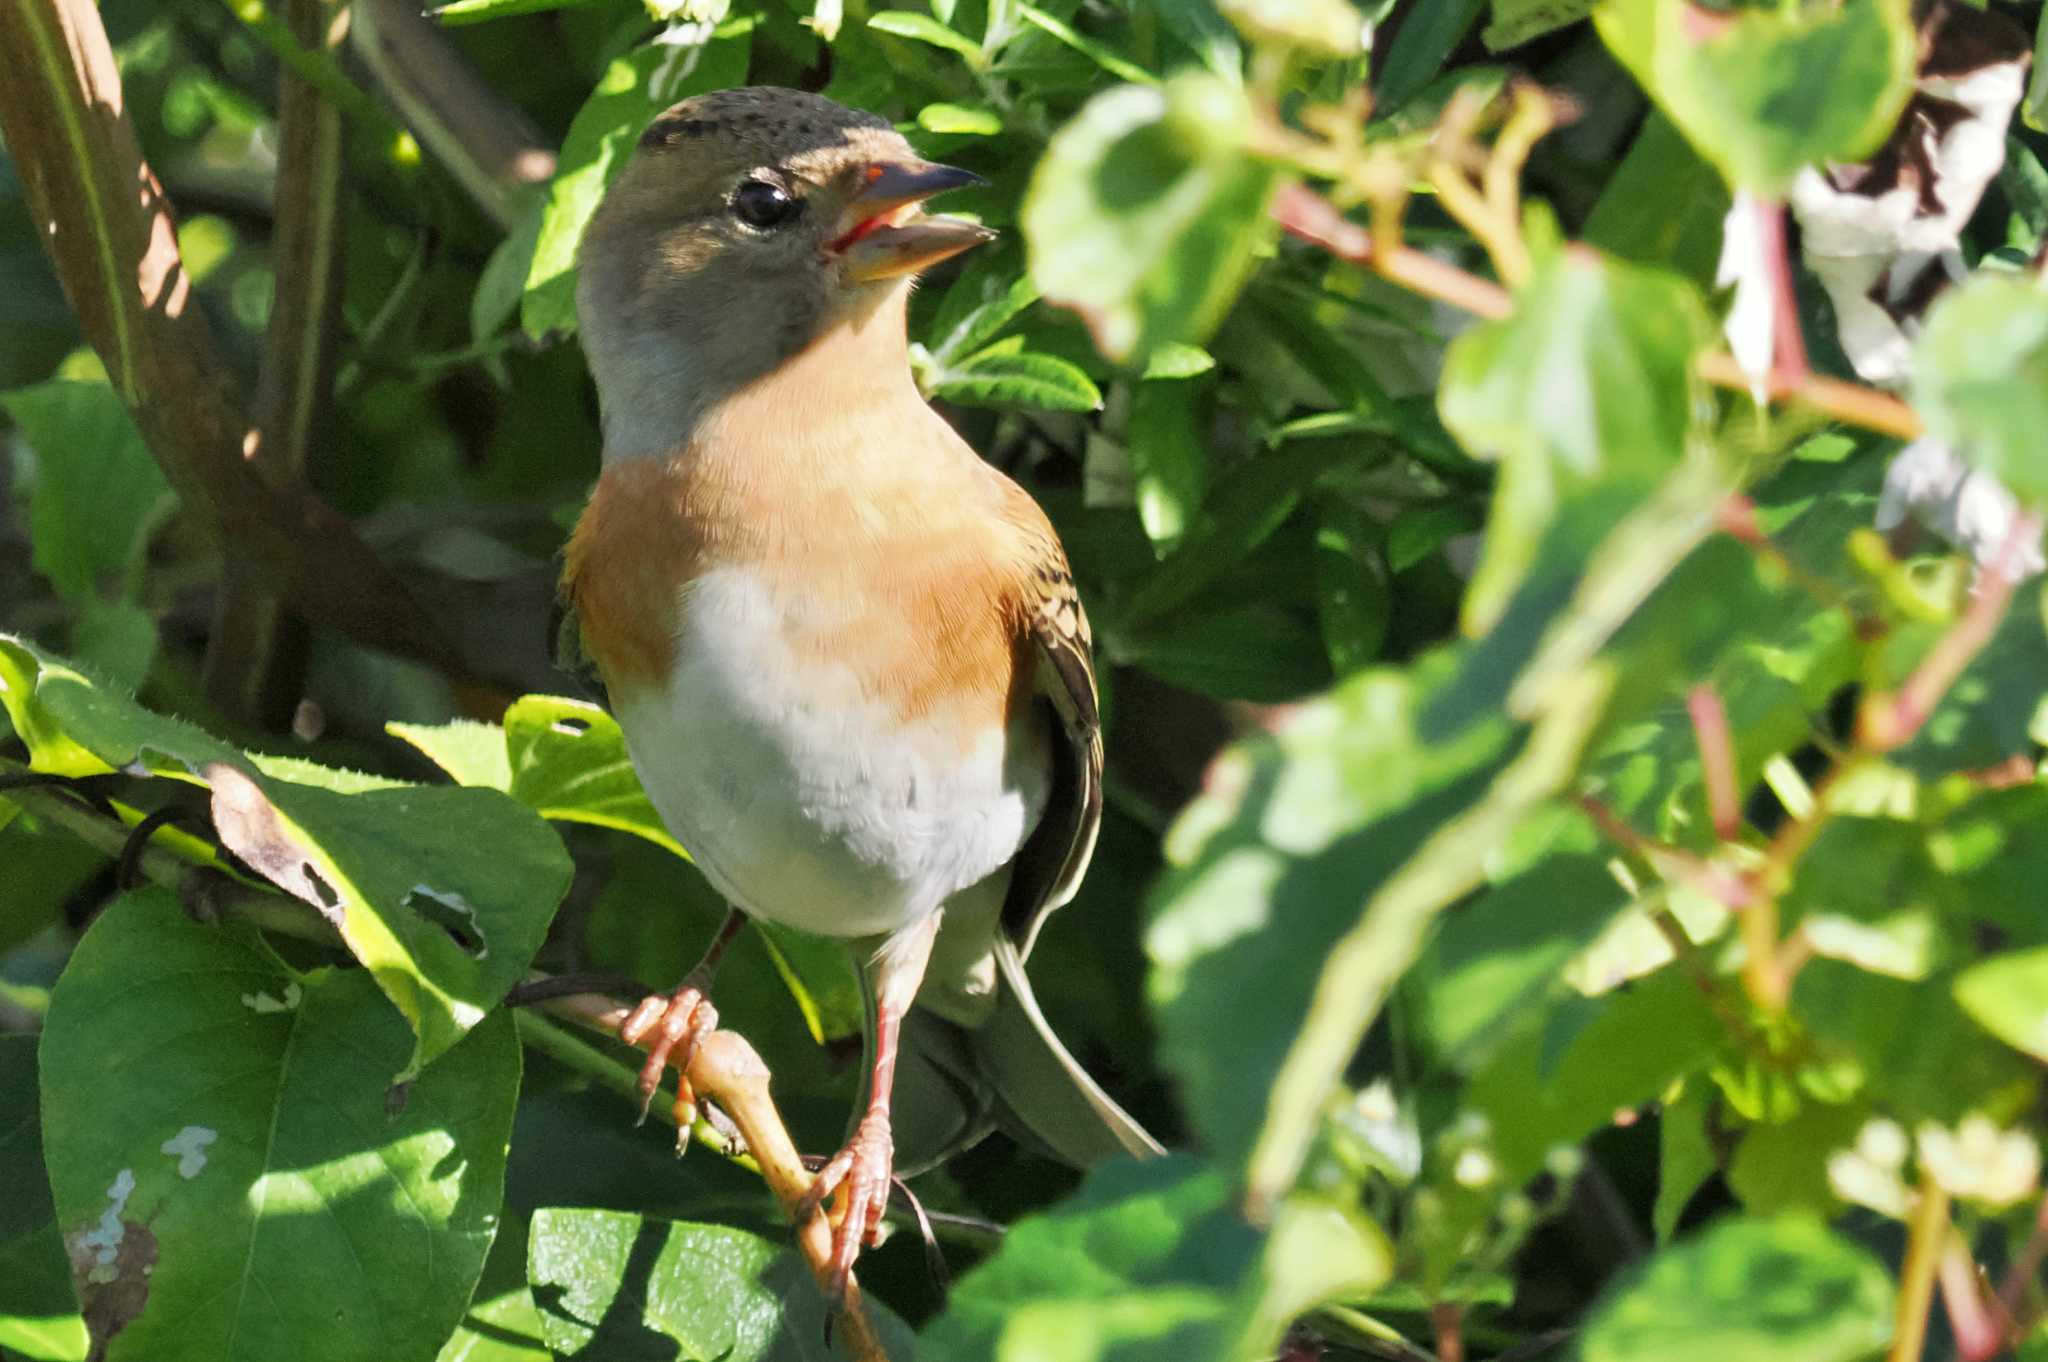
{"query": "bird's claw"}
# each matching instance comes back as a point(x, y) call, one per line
point(672, 1024)
point(858, 1178)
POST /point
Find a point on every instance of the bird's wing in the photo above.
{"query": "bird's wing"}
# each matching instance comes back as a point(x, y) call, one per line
point(1049, 866)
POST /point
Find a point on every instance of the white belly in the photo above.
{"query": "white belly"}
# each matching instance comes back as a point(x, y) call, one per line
point(805, 802)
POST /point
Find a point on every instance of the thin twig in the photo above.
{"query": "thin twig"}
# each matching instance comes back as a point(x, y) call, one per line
point(1978, 1334)
point(1927, 1231)
point(1717, 758)
point(1303, 213)
point(1889, 722)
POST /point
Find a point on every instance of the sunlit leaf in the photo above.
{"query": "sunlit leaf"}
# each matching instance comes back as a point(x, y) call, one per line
point(1145, 214)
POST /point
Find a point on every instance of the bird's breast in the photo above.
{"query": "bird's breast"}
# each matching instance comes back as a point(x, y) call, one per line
point(832, 718)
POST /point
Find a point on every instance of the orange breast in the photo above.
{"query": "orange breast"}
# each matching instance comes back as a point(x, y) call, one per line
point(915, 587)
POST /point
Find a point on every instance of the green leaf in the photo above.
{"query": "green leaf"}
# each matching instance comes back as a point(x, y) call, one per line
point(1018, 380)
point(1322, 28)
point(1788, 1289)
point(602, 136)
point(443, 893)
point(2034, 108)
point(1589, 383)
point(1145, 213)
point(1175, 360)
point(479, 11)
point(905, 23)
point(1565, 1071)
point(614, 1287)
point(1980, 378)
point(1783, 1168)
point(1685, 1154)
point(2008, 996)
point(97, 494)
point(117, 639)
point(569, 762)
point(1763, 92)
point(1258, 651)
point(1148, 1262)
point(960, 119)
point(1425, 40)
point(1240, 514)
point(201, 1184)
point(1101, 54)
point(975, 311)
point(38, 1309)
point(1517, 21)
point(1504, 951)
point(1269, 868)
point(1169, 457)
point(1207, 34)
point(1662, 206)
point(472, 753)
point(1354, 596)
point(46, 867)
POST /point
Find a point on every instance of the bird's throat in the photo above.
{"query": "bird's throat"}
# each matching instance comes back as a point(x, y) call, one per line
point(675, 391)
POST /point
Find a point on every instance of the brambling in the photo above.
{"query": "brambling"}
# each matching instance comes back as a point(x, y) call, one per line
point(847, 655)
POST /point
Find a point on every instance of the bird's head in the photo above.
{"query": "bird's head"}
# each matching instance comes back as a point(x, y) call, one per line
point(749, 225)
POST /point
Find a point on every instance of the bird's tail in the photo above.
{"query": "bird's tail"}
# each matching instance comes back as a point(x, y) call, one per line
point(954, 1083)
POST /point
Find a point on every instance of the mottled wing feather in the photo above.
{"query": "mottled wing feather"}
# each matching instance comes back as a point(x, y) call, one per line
point(1049, 866)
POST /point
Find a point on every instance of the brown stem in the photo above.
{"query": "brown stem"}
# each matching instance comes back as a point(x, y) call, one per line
point(1889, 722)
point(1717, 759)
point(102, 216)
point(488, 145)
point(256, 650)
point(1673, 863)
point(1448, 1321)
point(1926, 1233)
point(1978, 1333)
point(1850, 403)
point(2025, 1267)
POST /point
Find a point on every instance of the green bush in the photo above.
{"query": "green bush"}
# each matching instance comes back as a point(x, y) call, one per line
point(1569, 882)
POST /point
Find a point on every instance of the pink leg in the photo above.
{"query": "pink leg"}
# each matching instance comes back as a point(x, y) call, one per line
point(677, 1021)
point(859, 1175)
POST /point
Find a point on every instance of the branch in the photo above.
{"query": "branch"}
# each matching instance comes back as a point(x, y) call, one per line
point(104, 220)
point(256, 650)
point(487, 144)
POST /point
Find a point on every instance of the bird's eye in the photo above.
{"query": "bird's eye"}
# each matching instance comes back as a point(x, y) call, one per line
point(764, 206)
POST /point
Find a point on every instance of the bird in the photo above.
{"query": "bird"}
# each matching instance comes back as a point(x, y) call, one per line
point(846, 653)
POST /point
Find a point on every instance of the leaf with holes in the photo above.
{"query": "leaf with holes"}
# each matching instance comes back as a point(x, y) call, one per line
point(443, 893)
point(240, 1141)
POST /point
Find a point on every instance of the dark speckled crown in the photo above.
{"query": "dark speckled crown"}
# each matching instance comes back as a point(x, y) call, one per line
point(766, 115)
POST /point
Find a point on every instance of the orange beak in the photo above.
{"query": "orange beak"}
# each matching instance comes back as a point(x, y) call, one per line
point(888, 235)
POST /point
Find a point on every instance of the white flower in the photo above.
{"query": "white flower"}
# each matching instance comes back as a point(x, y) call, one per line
point(1868, 1174)
point(1979, 1162)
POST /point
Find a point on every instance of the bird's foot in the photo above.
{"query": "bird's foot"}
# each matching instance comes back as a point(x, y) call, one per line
point(857, 1178)
point(671, 1024)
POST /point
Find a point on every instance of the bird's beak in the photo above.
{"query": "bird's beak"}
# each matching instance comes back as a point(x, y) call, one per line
point(887, 235)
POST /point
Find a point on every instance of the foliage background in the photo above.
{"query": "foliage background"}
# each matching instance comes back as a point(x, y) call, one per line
point(1618, 936)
